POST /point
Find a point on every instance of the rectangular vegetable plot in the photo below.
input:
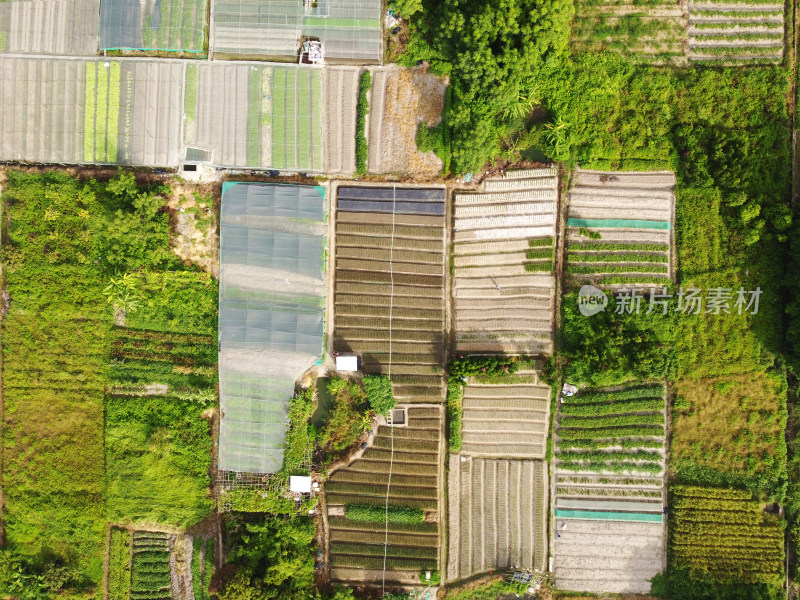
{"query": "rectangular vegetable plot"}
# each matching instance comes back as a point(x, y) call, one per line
point(504, 288)
point(609, 481)
point(619, 228)
point(150, 574)
point(164, 25)
point(389, 291)
point(357, 496)
point(101, 112)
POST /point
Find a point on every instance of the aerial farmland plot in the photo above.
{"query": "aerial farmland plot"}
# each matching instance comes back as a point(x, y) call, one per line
point(730, 33)
point(58, 27)
point(508, 421)
point(498, 515)
point(619, 228)
point(503, 285)
point(609, 527)
point(252, 115)
point(724, 534)
point(273, 29)
point(653, 31)
point(389, 285)
point(383, 507)
point(163, 25)
point(271, 313)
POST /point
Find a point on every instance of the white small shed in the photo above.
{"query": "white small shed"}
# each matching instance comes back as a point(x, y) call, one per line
point(347, 364)
point(299, 484)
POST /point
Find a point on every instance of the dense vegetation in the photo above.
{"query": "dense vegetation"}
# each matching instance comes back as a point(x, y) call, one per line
point(78, 256)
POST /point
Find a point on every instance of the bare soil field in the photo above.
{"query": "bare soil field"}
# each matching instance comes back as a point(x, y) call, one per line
point(400, 100)
point(508, 421)
point(389, 303)
point(503, 287)
point(498, 515)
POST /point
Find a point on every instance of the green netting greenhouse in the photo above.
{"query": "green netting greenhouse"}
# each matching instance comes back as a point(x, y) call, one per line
point(271, 314)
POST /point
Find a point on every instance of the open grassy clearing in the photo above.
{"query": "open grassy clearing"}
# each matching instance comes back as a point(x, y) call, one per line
point(731, 427)
point(498, 515)
point(357, 541)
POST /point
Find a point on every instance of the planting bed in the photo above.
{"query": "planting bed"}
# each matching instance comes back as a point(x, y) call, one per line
point(652, 31)
point(389, 299)
point(410, 475)
point(150, 572)
point(505, 420)
point(165, 25)
point(619, 228)
point(503, 285)
point(498, 515)
point(59, 27)
point(340, 93)
point(609, 495)
point(725, 535)
point(736, 33)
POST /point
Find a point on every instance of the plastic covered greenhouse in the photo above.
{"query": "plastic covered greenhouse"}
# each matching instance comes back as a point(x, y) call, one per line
point(272, 290)
point(350, 30)
point(167, 25)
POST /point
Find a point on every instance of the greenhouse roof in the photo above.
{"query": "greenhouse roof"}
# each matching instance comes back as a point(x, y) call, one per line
point(169, 25)
point(349, 29)
point(132, 111)
point(271, 314)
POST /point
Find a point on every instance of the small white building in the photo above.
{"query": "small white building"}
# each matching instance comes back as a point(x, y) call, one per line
point(300, 484)
point(347, 364)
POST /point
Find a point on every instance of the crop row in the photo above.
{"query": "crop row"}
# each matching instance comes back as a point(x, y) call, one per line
point(373, 562)
point(714, 504)
point(539, 254)
point(626, 280)
point(634, 393)
point(617, 408)
point(378, 550)
point(755, 535)
point(596, 480)
point(625, 443)
point(607, 246)
point(162, 337)
point(610, 421)
point(540, 242)
point(609, 493)
point(377, 514)
point(633, 257)
point(613, 467)
point(539, 267)
point(611, 432)
point(690, 491)
point(346, 524)
point(613, 269)
point(380, 490)
point(619, 455)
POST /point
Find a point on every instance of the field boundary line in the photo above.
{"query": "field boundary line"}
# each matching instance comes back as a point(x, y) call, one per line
point(391, 427)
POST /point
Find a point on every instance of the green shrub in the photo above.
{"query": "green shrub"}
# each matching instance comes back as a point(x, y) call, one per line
point(362, 109)
point(380, 514)
point(348, 416)
point(379, 393)
point(467, 366)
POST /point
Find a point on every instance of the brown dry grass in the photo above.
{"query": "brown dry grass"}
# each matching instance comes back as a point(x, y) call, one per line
point(728, 423)
point(413, 96)
point(193, 216)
